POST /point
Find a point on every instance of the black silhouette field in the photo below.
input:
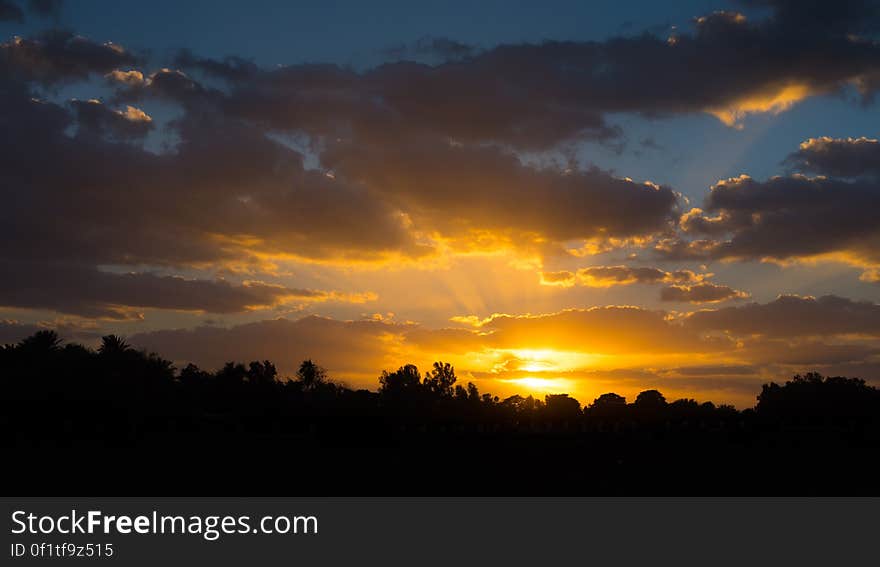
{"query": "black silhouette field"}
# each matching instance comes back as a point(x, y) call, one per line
point(76, 420)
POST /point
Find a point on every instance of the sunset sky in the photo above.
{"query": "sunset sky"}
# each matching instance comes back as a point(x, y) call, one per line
point(579, 197)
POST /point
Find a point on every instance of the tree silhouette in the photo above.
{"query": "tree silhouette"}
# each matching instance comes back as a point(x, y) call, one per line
point(262, 373)
point(813, 395)
point(403, 383)
point(608, 405)
point(650, 399)
point(192, 375)
point(232, 374)
point(440, 381)
point(64, 396)
point(521, 405)
point(113, 345)
point(473, 394)
point(561, 406)
point(310, 375)
point(41, 343)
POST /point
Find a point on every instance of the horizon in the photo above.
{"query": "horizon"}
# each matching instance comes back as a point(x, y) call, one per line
point(607, 197)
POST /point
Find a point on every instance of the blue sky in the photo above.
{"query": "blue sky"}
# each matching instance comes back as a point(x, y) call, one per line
point(359, 33)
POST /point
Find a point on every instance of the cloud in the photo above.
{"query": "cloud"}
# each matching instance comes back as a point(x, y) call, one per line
point(836, 157)
point(88, 292)
point(230, 68)
point(169, 84)
point(431, 49)
point(784, 218)
point(352, 350)
point(582, 351)
point(649, 143)
point(12, 331)
point(704, 292)
point(453, 189)
point(227, 195)
point(46, 8)
point(871, 275)
point(611, 330)
point(407, 160)
point(818, 16)
point(226, 191)
point(607, 276)
point(130, 78)
point(716, 370)
point(792, 218)
point(357, 350)
point(56, 56)
point(682, 285)
point(563, 278)
point(10, 12)
point(807, 352)
point(97, 119)
point(538, 96)
point(792, 316)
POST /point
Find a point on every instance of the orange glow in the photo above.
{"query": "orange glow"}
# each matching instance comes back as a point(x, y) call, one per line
point(545, 360)
point(535, 385)
point(773, 101)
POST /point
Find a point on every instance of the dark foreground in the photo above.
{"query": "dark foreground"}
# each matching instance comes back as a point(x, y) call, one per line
point(454, 464)
point(121, 421)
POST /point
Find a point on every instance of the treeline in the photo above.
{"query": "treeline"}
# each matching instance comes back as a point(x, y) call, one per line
point(41, 368)
point(77, 418)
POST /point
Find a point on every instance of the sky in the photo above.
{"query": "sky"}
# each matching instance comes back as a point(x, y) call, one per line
point(578, 197)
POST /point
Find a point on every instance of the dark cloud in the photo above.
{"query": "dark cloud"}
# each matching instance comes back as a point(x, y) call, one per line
point(850, 157)
point(487, 188)
point(609, 276)
point(806, 352)
point(604, 276)
point(784, 218)
point(409, 153)
point(226, 194)
point(59, 55)
point(88, 292)
point(224, 198)
point(793, 316)
point(819, 16)
point(432, 49)
point(716, 370)
point(705, 292)
point(10, 12)
point(168, 85)
point(12, 332)
point(866, 370)
point(223, 186)
point(95, 118)
point(650, 143)
point(407, 99)
point(46, 8)
point(431, 178)
point(230, 68)
point(536, 96)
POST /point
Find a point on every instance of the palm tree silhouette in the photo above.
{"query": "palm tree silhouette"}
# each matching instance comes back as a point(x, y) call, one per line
point(113, 345)
point(41, 343)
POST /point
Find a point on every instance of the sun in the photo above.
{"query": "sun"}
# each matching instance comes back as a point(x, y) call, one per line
point(541, 371)
point(547, 360)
